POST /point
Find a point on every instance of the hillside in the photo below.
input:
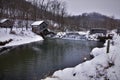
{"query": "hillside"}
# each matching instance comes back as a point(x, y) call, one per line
point(93, 20)
point(55, 11)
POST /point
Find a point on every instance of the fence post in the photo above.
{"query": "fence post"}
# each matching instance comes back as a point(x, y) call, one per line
point(108, 46)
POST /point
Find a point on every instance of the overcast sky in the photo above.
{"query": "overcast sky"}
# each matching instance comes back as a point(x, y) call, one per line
point(105, 7)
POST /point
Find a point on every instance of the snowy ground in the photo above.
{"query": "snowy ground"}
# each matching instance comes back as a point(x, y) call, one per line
point(19, 37)
point(104, 66)
point(77, 35)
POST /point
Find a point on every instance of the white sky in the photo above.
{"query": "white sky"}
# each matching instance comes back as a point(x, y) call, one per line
point(105, 7)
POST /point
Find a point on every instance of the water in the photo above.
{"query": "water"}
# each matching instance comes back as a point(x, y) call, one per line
point(40, 59)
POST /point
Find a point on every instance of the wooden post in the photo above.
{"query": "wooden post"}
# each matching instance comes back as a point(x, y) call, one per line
point(108, 46)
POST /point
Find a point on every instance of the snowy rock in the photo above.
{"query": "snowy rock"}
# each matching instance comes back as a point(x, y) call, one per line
point(97, 51)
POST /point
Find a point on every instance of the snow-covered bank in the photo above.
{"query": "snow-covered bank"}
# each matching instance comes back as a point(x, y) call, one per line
point(102, 67)
point(76, 35)
point(18, 37)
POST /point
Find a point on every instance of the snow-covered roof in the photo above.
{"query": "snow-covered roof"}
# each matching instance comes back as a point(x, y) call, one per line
point(36, 23)
point(3, 20)
point(82, 33)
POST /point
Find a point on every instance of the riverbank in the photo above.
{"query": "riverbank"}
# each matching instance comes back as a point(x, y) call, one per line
point(104, 66)
point(18, 36)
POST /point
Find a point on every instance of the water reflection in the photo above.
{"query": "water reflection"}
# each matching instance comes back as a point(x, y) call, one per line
point(36, 60)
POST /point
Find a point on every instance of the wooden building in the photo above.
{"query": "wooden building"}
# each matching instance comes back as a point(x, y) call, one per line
point(41, 28)
point(98, 31)
point(6, 23)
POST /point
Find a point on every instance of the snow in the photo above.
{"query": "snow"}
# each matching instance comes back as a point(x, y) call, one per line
point(53, 23)
point(94, 37)
point(60, 34)
point(104, 66)
point(77, 35)
point(36, 23)
point(82, 32)
point(20, 37)
point(97, 51)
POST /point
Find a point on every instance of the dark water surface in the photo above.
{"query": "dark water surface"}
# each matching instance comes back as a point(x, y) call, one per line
point(40, 59)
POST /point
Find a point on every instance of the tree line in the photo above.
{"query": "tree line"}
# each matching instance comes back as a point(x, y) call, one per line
point(87, 21)
point(35, 10)
point(54, 10)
